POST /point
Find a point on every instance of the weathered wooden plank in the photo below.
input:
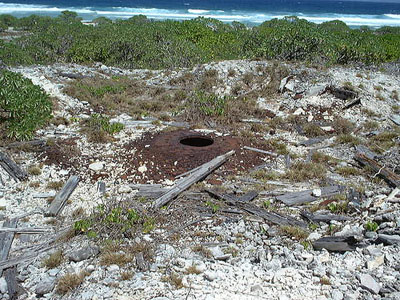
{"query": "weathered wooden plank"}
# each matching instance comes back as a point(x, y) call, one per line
point(343, 94)
point(336, 243)
point(316, 218)
point(61, 198)
point(10, 277)
point(253, 209)
point(390, 177)
point(352, 103)
point(12, 168)
point(6, 239)
point(26, 230)
point(260, 151)
point(312, 141)
point(196, 176)
point(297, 198)
point(368, 153)
point(389, 239)
point(250, 196)
point(22, 258)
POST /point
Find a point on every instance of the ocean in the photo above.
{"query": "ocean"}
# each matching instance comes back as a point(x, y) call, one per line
point(251, 12)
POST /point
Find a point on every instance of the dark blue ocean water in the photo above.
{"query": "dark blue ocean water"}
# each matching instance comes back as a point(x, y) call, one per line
point(354, 13)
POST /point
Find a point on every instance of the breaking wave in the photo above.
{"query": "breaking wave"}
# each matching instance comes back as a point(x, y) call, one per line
point(249, 17)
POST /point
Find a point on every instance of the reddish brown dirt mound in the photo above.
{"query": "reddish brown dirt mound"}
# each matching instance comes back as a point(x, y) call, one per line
point(165, 156)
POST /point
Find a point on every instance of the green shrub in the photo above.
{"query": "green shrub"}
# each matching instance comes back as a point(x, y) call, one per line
point(142, 43)
point(24, 106)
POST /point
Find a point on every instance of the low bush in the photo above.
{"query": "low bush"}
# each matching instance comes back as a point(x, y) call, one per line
point(24, 107)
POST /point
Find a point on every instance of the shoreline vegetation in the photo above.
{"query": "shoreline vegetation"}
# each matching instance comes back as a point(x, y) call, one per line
point(139, 42)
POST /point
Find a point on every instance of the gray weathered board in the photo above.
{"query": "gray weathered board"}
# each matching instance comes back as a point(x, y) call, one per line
point(10, 276)
point(298, 198)
point(61, 198)
point(6, 239)
point(196, 176)
point(253, 209)
point(12, 168)
point(327, 218)
point(389, 176)
point(337, 243)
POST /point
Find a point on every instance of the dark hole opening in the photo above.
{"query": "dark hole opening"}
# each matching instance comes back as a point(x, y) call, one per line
point(197, 141)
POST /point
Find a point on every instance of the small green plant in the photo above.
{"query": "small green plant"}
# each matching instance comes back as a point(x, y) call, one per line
point(371, 226)
point(267, 204)
point(99, 129)
point(338, 207)
point(306, 244)
point(209, 104)
point(214, 207)
point(82, 226)
point(148, 225)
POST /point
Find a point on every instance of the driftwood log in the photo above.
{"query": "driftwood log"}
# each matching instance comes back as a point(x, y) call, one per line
point(196, 176)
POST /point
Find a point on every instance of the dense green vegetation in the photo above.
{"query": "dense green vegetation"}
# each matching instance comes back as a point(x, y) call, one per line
point(141, 43)
point(24, 107)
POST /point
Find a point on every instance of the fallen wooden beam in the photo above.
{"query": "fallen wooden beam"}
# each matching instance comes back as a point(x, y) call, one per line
point(352, 103)
point(196, 176)
point(149, 191)
point(10, 277)
point(250, 196)
point(316, 218)
point(298, 198)
point(6, 239)
point(61, 198)
point(12, 168)
point(22, 258)
point(253, 209)
point(336, 243)
point(390, 177)
point(389, 239)
point(341, 93)
point(368, 153)
point(260, 151)
point(33, 230)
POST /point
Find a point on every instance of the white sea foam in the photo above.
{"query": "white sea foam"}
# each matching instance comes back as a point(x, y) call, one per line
point(198, 11)
point(185, 14)
point(392, 16)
